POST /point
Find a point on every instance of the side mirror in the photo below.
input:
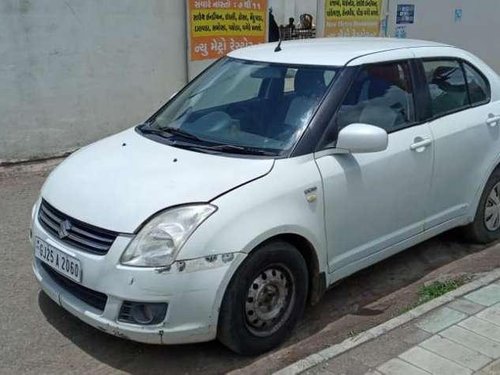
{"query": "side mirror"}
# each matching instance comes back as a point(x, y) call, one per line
point(362, 138)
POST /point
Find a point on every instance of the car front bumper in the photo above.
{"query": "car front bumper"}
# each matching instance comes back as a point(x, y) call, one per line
point(193, 294)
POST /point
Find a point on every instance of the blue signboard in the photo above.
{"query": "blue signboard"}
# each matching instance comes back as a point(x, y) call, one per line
point(405, 14)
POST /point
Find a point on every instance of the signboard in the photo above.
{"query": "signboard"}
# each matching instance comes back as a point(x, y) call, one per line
point(405, 14)
point(217, 27)
point(352, 17)
point(401, 32)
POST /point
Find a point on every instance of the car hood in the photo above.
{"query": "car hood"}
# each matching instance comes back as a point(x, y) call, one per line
point(120, 181)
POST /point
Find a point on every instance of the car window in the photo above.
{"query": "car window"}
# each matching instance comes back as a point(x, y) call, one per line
point(446, 83)
point(381, 95)
point(479, 89)
point(254, 105)
point(233, 91)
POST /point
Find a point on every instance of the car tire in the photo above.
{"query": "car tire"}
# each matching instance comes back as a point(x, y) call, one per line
point(264, 299)
point(485, 229)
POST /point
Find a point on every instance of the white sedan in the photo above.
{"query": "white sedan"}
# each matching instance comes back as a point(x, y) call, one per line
point(272, 175)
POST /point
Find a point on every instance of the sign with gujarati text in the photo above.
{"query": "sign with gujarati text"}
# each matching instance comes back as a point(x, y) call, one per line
point(217, 27)
point(405, 14)
point(352, 17)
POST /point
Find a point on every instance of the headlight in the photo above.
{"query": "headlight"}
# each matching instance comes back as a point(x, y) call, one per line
point(159, 242)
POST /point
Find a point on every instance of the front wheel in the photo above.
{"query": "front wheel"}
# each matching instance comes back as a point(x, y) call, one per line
point(264, 300)
point(486, 225)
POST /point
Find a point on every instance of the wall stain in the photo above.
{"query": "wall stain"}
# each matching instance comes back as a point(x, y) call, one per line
point(24, 6)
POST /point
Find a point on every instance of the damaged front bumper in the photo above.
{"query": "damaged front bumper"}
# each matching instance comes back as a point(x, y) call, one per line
point(193, 290)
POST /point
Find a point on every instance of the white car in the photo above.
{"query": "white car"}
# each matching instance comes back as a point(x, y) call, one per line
point(272, 175)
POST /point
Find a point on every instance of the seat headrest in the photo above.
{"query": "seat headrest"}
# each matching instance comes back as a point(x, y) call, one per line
point(309, 82)
point(445, 78)
point(442, 73)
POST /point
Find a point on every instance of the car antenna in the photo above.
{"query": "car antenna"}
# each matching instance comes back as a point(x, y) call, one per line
point(278, 47)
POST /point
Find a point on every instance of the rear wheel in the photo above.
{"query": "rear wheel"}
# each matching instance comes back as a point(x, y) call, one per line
point(264, 300)
point(486, 225)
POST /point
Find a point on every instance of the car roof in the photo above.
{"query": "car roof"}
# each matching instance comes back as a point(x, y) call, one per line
point(326, 51)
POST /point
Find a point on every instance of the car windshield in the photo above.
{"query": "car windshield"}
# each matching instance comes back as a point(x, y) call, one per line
point(239, 106)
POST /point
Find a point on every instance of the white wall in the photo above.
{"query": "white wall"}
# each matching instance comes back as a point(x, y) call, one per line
point(73, 71)
point(477, 31)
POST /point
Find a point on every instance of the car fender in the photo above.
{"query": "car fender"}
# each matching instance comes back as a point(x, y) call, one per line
point(289, 200)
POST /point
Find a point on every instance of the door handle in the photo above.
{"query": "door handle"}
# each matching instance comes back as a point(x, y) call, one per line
point(493, 120)
point(420, 143)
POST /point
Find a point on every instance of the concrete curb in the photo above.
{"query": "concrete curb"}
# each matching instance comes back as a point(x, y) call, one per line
point(6, 163)
point(350, 343)
point(23, 168)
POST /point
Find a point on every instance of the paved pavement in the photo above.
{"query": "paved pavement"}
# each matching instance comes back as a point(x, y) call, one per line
point(37, 336)
point(456, 334)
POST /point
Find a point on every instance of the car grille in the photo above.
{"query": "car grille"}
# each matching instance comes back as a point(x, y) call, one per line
point(90, 297)
point(80, 235)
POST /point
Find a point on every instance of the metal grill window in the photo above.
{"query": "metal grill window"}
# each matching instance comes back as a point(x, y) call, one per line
point(74, 232)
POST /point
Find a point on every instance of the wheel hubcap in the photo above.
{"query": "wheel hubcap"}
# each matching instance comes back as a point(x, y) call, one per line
point(492, 209)
point(268, 301)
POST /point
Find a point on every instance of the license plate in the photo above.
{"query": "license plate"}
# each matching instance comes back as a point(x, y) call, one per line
point(59, 260)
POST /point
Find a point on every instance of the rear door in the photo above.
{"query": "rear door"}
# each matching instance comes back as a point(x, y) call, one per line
point(465, 127)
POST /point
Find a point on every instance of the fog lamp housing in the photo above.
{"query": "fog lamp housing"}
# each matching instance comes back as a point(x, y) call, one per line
point(142, 313)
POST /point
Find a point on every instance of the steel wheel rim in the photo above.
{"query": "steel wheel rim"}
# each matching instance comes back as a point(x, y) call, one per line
point(270, 299)
point(492, 209)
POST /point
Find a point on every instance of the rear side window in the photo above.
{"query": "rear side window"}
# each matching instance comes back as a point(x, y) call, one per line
point(381, 95)
point(447, 87)
point(479, 89)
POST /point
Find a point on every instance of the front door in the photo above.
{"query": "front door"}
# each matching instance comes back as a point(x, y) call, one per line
point(375, 200)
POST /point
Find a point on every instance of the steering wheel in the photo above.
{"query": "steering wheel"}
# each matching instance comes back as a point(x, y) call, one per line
point(242, 113)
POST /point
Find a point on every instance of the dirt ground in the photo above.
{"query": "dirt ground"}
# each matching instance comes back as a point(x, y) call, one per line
point(37, 336)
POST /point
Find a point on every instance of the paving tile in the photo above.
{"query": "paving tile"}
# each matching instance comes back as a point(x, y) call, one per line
point(491, 314)
point(456, 353)
point(412, 335)
point(398, 367)
point(318, 370)
point(465, 306)
point(440, 319)
point(482, 327)
point(433, 363)
point(344, 365)
point(487, 296)
point(472, 341)
point(492, 369)
point(389, 345)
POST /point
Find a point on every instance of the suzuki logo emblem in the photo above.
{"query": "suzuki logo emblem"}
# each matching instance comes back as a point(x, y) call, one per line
point(64, 229)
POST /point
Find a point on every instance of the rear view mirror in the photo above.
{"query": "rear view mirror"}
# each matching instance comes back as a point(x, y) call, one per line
point(362, 138)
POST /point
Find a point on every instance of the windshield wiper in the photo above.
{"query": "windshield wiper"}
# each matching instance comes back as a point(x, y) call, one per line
point(162, 132)
point(204, 145)
point(240, 149)
point(146, 129)
point(183, 133)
